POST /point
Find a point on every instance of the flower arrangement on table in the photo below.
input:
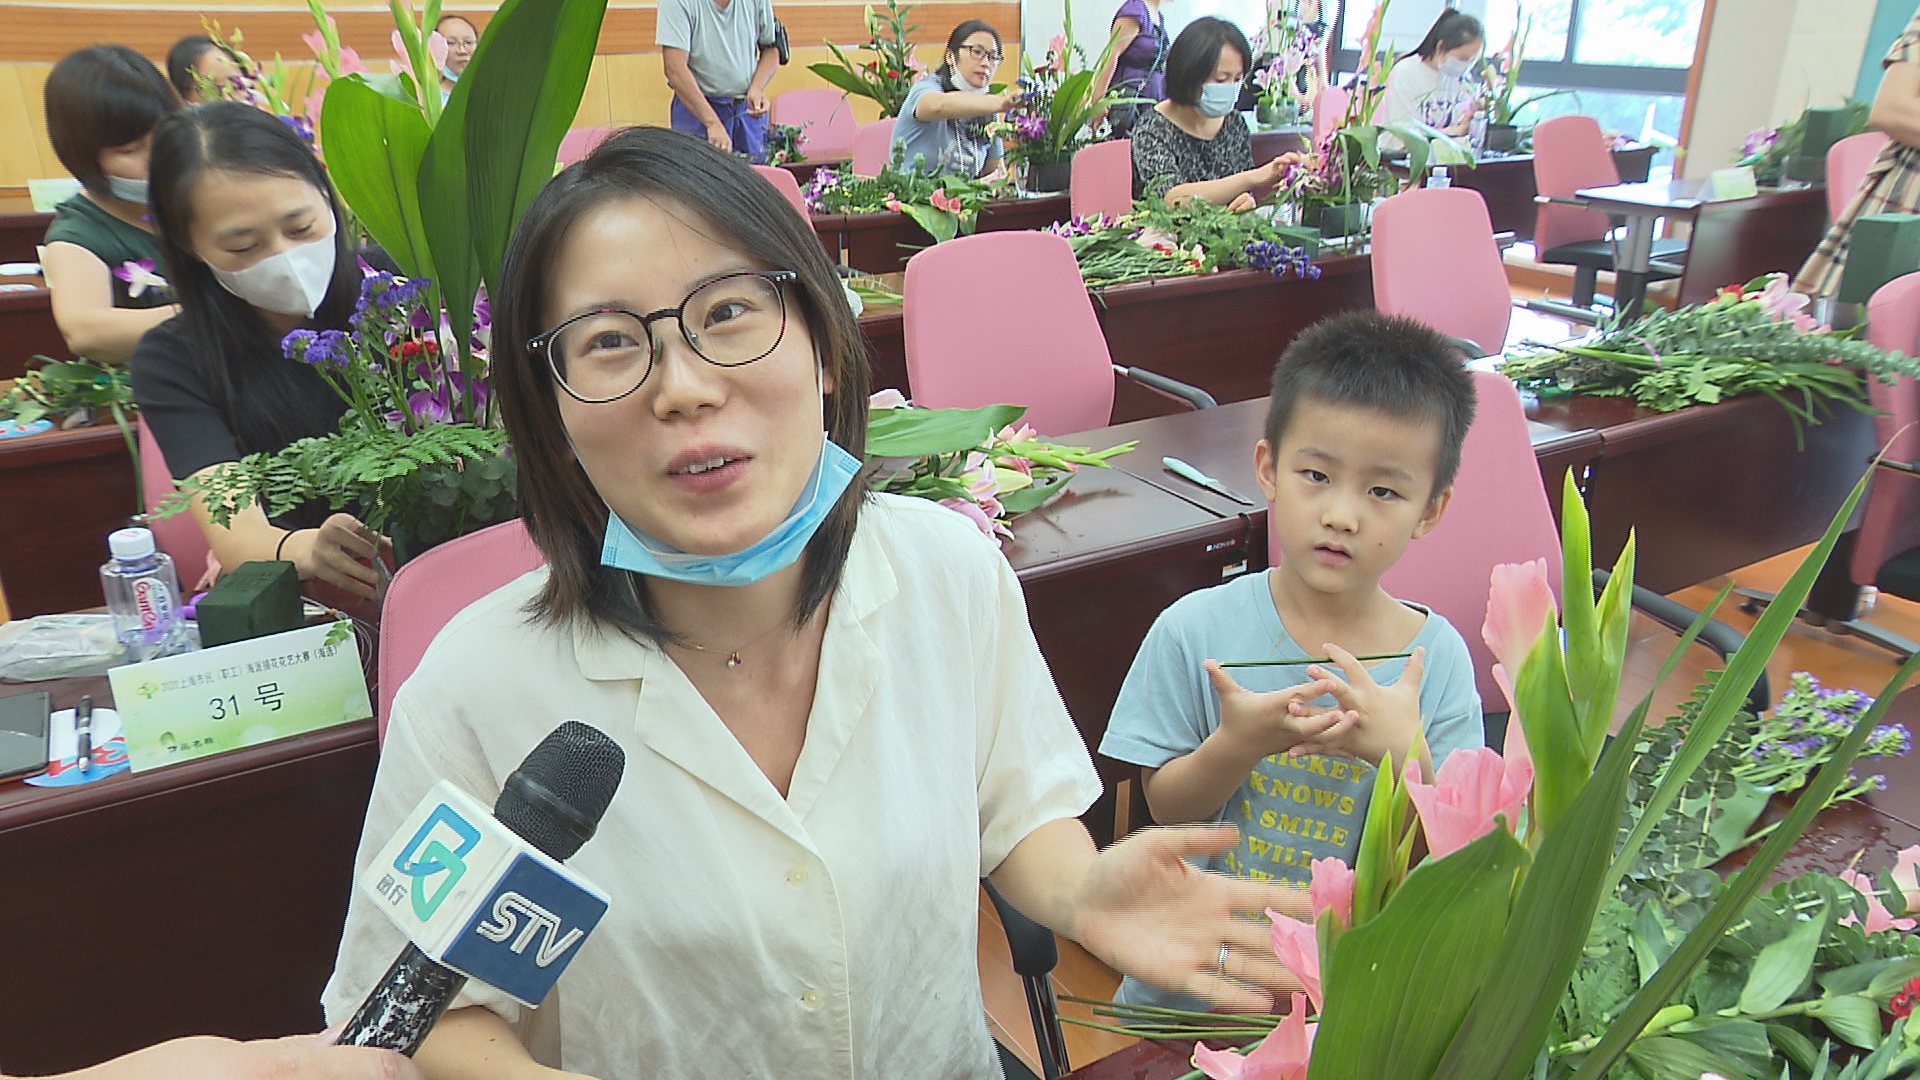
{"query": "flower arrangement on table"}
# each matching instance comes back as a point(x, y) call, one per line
point(73, 393)
point(1525, 946)
point(419, 453)
point(887, 77)
point(1749, 339)
point(1499, 78)
point(1196, 237)
point(1768, 150)
point(1058, 111)
point(1284, 80)
point(783, 143)
point(972, 461)
point(945, 206)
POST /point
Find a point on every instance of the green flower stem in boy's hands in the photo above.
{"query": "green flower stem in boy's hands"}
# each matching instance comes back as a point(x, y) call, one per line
point(1387, 718)
point(1366, 658)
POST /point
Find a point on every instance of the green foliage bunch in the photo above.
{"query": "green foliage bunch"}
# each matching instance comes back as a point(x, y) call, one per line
point(886, 78)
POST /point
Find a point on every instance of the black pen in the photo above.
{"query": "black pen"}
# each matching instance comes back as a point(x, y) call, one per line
point(83, 730)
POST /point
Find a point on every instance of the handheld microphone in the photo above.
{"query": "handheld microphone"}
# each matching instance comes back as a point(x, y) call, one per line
point(484, 895)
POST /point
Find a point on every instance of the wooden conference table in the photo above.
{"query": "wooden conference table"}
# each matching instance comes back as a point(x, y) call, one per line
point(882, 243)
point(1505, 181)
point(1875, 828)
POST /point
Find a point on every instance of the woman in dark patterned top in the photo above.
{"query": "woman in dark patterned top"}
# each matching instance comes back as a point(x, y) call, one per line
point(1195, 144)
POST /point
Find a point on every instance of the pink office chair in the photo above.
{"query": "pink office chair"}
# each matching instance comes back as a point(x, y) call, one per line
point(786, 183)
point(1102, 179)
point(1500, 514)
point(1569, 153)
point(1417, 230)
point(179, 536)
point(872, 147)
point(825, 120)
point(1044, 348)
point(433, 587)
point(579, 142)
point(1329, 108)
point(1847, 162)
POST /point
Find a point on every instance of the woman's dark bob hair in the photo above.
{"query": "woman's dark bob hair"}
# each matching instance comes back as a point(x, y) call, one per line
point(1195, 53)
point(958, 38)
point(566, 517)
point(100, 98)
point(1451, 30)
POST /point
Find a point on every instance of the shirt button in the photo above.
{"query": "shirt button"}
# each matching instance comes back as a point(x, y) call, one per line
point(811, 999)
point(797, 876)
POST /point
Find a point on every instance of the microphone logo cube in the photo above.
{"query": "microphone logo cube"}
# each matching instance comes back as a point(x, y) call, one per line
point(474, 896)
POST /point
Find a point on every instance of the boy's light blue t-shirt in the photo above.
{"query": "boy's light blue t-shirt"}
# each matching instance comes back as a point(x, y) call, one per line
point(1290, 810)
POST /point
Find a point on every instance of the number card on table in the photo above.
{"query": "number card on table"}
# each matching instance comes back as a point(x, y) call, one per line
point(179, 708)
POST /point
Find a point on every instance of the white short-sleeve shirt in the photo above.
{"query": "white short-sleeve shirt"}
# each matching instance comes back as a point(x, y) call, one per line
point(827, 934)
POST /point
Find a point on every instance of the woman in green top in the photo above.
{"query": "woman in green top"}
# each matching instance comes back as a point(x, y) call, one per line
point(102, 261)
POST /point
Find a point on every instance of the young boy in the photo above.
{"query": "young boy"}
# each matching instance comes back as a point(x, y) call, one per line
point(1362, 442)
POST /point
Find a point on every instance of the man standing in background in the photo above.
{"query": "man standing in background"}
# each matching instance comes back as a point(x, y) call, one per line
point(719, 56)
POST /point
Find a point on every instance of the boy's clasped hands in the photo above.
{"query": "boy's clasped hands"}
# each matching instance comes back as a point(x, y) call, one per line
point(1367, 721)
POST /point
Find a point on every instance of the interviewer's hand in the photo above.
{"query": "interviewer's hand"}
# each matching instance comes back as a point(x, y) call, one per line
point(1145, 911)
point(340, 552)
point(300, 1057)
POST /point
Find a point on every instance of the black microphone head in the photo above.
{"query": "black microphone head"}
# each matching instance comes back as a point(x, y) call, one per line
point(555, 799)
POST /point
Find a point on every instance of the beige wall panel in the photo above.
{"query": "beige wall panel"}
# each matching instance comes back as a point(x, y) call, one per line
point(19, 153)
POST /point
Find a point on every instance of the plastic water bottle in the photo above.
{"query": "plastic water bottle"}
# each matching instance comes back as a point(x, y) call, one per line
point(143, 595)
point(1439, 178)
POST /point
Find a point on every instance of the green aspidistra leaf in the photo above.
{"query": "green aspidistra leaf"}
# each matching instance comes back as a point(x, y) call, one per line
point(374, 147)
point(912, 433)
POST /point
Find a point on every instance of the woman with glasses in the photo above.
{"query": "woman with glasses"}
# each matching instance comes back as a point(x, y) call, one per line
point(461, 40)
point(250, 236)
point(942, 127)
point(834, 713)
point(1195, 144)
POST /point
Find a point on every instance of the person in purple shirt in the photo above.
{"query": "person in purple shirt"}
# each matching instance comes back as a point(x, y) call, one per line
point(1138, 61)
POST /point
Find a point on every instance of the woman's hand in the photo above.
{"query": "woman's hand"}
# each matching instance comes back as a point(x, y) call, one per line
point(1242, 202)
point(1008, 98)
point(1275, 171)
point(1145, 911)
point(340, 552)
point(208, 1058)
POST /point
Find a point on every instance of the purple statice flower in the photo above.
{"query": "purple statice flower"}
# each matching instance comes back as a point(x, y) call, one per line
point(1889, 740)
point(327, 348)
point(1280, 260)
point(296, 343)
point(299, 125)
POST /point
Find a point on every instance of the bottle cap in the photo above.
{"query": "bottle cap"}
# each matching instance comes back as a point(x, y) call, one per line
point(128, 545)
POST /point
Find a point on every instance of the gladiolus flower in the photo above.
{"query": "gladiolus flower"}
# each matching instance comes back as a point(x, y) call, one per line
point(1905, 877)
point(1782, 305)
point(970, 510)
point(1879, 919)
point(1282, 1055)
point(1472, 788)
point(1297, 946)
point(1332, 889)
point(1519, 606)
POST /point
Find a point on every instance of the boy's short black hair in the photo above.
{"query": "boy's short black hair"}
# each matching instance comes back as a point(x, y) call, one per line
point(1373, 360)
point(1195, 53)
point(99, 98)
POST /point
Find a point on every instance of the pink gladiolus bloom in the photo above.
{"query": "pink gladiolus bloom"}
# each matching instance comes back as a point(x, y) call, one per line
point(1519, 605)
point(1782, 305)
point(1332, 889)
point(1473, 787)
point(970, 510)
point(1879, 919)
point(1282, 1055)
point(315, 41)
point(887, 399)
point(1297, 946)
point(1905, 877)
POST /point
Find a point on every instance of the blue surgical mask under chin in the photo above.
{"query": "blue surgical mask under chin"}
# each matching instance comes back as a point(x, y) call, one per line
point(1218, 99)
point(133, 191)
point(448, 74)
point(1453, 67)
point(626, 549)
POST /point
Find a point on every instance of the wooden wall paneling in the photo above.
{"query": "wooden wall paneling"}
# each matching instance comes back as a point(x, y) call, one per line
point(33, 83)
point(19, 147)
point(593, 98)
point(633, 80)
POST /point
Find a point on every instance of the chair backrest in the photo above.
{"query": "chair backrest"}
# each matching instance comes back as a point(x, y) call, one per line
point(1847, 162)
point(825, 119)
point(872, 147)
point(579, 142)
point(785, 183)
point(1329, 106)
point(1569, 153)
point(1041, 347)
point(1499, 514)
point(434, 586)
point(1435, 260)
point(1891, 523)
point(179, 536)
point(1103, 179)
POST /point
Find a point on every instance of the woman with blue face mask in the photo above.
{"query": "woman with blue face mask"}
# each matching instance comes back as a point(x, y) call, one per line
point(250, 235)
point(1195, 144)
point(834, 713)
point(102, 261)
point(1429, 84)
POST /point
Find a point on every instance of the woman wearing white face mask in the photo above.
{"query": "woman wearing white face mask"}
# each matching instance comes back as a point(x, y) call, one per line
point(1429, 84)
point(102, 261)
point(1195, 145)
point(942, 126)
point(248, 227)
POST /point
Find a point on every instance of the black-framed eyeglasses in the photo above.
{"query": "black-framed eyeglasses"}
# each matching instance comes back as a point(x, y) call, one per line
point(606, 354)
point(985, 56)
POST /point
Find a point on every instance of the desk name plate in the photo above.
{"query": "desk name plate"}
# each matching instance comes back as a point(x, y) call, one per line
point(179, 708)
